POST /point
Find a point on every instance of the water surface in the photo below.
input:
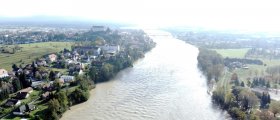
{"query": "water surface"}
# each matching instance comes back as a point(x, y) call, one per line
point(165, 85)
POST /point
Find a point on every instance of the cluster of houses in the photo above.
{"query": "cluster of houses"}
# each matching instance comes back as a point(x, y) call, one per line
point(16, 101)
point(33, 34)
point(38, 72)
point(74, 61)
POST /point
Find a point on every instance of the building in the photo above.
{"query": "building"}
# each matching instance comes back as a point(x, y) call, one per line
point(3, 73)
point(98, 28)
point(45, 95)
point(12, 102)
point(52, 57)
point(22, 95)
point(27, 90)
point(24, 109)
point(67, 78)
point(91, 50)
point(110, 49)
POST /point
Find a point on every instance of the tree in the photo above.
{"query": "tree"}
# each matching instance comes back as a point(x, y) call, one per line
point(274, 107)
point(57, 84)
point(63, 100)
point(25, 82)
point(78, 96)
point(236, 113)
point(53, 109)
point(248, 99)
point(268, 84)
point(52, 76)
point(17, 84)
point(107, 71)
point(265, 100)
point(15, 67)
point(92, 73)
point(242, 84)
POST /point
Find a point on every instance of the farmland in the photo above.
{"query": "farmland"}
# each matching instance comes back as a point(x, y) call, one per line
point(29, 52)
point(232, 53)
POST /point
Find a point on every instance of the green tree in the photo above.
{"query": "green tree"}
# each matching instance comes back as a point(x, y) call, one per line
point(78, 96)
point(107, 71)
point(237, 114)
point(63, 100)
point(17, 84)
point(53, 110)
point(242, 84)
point(92, 73)
point(52, 76)
point(267, 84)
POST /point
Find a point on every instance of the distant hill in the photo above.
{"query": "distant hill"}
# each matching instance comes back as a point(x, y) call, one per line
point(57, 21)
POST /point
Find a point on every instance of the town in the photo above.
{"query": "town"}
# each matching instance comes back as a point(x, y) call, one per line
point(51, 83)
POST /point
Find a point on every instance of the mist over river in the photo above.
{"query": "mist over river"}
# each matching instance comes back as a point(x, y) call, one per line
point(165, 85)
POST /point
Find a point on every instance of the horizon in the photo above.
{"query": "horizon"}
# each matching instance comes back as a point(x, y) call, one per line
point(216, 14)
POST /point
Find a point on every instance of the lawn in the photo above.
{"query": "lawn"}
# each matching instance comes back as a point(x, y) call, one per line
point(232, 53)
point(29, 52)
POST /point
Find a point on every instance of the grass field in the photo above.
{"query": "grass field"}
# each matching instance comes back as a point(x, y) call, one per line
point(243, 74)
point(232, 53)
point(31, 51)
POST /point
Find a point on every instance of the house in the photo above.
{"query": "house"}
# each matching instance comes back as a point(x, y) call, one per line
point(110, 49)
point(12, 102)
point(22, 95)
point(24, 109)
point(27, 90)
point(41, 62)
point(67, 78)
point(52, 57)
point(37, 84)
point(3, 73)
point(98, 28)
point(48, 87)
point(91, 50)
point(45, 95)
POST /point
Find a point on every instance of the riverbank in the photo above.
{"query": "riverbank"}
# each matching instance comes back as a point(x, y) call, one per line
point(163, 85)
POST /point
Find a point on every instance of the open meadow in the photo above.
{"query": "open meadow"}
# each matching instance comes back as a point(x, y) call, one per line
point(244, 74)
point(29, 52)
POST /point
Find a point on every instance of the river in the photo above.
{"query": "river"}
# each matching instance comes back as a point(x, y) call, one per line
point(165, 85)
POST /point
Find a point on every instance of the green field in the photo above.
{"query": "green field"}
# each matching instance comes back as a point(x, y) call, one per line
point(232, 53)
point(243, 74)
point(29, 52)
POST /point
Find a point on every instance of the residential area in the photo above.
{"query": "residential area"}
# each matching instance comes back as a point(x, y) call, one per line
point(30, 88)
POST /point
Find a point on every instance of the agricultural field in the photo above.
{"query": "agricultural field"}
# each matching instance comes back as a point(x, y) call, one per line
point(232, 53)
point(29, 52)
point(244, 74)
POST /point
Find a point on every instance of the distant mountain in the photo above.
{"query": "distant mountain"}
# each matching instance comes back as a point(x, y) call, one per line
point(57, 21)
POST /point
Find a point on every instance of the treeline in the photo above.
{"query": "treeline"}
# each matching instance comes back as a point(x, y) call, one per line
point(244, 61)
point(104, 71)
point(62, 99)
point(274, 70)
point(238, 102)
point(210, 63)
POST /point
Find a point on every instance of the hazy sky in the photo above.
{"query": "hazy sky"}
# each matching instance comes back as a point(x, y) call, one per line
point(241, 14)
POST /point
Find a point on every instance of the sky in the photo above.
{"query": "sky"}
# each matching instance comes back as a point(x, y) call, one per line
point(219, 14)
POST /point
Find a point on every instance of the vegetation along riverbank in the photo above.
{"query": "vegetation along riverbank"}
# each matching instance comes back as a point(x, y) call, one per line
point(50, 82)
